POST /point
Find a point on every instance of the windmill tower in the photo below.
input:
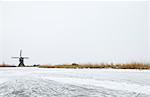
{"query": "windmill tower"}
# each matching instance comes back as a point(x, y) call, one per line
point(21, 59)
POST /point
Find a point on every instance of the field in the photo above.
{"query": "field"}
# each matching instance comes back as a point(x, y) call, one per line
point(58, 82)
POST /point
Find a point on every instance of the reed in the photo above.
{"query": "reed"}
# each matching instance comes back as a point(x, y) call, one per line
point(99, 66)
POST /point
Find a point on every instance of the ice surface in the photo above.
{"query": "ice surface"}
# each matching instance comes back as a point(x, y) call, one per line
point(42, 82)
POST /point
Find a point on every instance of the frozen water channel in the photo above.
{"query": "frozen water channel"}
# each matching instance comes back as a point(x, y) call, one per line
point(44, 82)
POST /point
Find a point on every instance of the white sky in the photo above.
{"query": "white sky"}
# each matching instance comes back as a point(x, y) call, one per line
point(75, 31)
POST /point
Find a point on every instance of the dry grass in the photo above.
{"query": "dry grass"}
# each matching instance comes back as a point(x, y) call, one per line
point(6, 65)
point(98, 66)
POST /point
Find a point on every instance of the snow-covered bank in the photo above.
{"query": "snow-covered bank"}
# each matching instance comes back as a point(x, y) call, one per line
point(119, 82)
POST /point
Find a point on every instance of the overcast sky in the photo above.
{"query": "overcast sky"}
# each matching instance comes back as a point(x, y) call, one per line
point(76, 31)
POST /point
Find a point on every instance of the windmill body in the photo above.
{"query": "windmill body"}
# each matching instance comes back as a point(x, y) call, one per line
point(21, 59)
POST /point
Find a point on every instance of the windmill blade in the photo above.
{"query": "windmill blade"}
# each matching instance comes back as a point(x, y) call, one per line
point(20, 53)
point(25, 57)
point(14, 57)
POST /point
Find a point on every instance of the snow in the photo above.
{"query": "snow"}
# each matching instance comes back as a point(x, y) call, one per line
point(45, 82)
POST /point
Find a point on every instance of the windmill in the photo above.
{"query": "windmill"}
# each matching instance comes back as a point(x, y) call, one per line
point(21, 59)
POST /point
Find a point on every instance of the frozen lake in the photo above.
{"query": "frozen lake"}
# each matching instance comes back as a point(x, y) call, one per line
point(44, 82)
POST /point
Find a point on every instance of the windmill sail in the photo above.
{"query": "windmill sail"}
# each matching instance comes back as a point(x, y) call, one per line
point(20, 53)
point(15, 57)
point(25, 57)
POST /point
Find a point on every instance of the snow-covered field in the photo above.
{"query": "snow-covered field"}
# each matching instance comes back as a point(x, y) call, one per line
point(44, 82)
